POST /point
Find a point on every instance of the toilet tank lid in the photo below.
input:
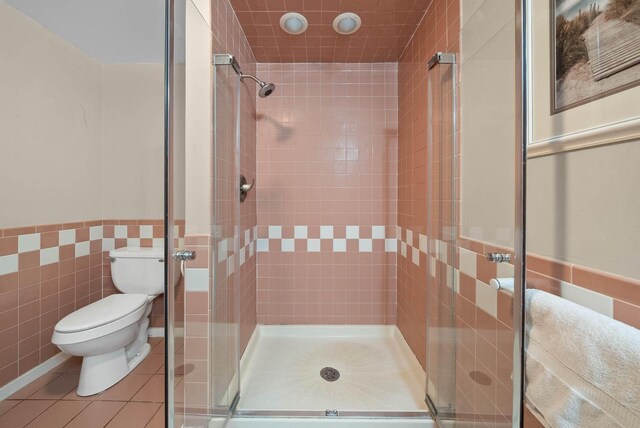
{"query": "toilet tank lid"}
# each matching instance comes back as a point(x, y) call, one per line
point(102, 312)
point(137, 253)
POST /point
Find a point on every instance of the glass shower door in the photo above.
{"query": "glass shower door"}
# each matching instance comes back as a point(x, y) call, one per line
point(202, 217)
point(476, 221)
point(225, 233)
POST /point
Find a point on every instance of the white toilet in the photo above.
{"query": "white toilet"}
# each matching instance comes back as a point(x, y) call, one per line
point(111, 334)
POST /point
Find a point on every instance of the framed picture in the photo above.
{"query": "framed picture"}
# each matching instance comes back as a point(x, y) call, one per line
point(584, 80)
point(595, 50)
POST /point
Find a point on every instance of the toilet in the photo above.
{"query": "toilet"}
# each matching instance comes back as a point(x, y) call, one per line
point(111, 334)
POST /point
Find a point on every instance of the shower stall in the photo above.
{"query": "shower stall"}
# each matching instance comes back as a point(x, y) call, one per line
point(343, 252)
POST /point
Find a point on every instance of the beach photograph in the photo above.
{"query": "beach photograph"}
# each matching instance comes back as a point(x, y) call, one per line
point(595, 50)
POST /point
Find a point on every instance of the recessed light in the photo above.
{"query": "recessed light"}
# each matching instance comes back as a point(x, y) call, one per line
point(293, 23)
point(347, 23)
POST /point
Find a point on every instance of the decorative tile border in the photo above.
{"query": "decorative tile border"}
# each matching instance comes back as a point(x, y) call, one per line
point(74, 240)
point(575, 283)
point(311, 238)
point(412, 244)
point(541, 272)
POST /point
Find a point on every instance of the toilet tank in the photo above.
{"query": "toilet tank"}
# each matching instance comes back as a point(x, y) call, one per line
point(138, 270)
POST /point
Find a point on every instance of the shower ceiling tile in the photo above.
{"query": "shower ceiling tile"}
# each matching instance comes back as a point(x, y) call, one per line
point(387, 27)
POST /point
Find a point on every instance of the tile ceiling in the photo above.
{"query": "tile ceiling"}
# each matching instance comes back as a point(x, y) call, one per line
point(387, 26)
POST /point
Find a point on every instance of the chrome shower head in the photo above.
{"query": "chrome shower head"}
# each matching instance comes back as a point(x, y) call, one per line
point(266, 89)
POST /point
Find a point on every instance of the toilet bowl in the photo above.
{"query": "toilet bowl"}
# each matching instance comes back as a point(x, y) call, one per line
point(111, 334)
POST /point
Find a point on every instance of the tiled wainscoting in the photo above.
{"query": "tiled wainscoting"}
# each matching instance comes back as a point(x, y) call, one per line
point(484, 315)
point(47, 272)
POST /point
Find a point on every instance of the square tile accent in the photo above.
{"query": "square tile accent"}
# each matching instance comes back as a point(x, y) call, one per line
point(66, 237)
point(300, 232)
point(326, 232)
point(364, 245)
point(275, 232)
point(339, 245)
point(353, 232)
point(28, 243)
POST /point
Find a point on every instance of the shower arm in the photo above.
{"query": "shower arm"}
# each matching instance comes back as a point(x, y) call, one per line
point(251, 76)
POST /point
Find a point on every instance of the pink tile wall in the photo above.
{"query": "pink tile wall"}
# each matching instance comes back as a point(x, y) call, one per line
point(327, 156)
point(248, 215)
point(49, 271)
point(438, 31)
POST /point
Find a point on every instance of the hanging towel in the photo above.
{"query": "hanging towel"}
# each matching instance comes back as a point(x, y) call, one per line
point(582, 368)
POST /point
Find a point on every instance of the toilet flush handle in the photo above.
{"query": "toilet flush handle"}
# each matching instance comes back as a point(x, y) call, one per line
point(184, 255)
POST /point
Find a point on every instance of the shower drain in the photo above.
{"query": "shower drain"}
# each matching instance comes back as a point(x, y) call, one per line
point(329, 374)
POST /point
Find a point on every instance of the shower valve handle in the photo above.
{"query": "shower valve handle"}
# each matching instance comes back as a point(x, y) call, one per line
point(245, 187)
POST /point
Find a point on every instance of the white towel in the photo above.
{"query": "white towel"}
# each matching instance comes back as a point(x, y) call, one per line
point(582, 368)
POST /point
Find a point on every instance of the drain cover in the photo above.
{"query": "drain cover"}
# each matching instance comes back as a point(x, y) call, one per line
point(330, 374)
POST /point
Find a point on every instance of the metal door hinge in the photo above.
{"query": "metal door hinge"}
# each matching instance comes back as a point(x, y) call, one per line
point(184, 255)
point(499, 257)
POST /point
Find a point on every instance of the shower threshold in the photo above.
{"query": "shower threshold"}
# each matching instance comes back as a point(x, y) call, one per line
point(333, 373)
point(242, 422)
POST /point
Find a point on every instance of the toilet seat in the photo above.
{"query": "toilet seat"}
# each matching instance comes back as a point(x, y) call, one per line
point(100, 318)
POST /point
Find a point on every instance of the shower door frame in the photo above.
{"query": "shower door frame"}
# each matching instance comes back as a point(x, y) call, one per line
point(168, 215)
point(227, 59)
point(522, 13)
point(438, 59)
point(218, 60)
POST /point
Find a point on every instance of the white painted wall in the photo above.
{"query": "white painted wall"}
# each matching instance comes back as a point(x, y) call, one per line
point(50, 126)
point(199, 117)
point(78, 140)
point(583, 207)
point(488, 121)
point(132, 141)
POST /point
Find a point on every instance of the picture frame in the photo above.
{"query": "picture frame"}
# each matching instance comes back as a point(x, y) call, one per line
point(593, 116)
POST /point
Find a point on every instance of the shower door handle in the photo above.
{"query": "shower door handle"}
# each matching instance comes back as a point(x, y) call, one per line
point(184, 255)
point(245, 187)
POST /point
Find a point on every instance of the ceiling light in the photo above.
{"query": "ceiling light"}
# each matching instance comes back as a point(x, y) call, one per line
point(293, 23)
point(346, 23)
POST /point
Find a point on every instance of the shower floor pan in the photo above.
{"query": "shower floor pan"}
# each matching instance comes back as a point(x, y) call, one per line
point(330, 370)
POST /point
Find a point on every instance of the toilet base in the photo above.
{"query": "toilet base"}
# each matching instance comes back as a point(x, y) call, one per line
point(103, 371)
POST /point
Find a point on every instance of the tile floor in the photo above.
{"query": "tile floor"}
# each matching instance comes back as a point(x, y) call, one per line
point(51, 400)
point(378, 371)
